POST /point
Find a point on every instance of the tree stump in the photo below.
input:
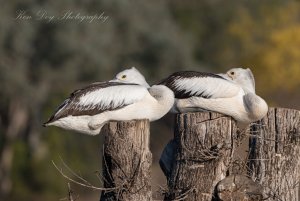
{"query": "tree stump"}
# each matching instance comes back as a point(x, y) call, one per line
point(275, 154)
point(127, 161)
point(204, 143)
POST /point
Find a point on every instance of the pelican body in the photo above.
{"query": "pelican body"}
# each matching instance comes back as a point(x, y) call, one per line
point(231, 94)
point(87, 110)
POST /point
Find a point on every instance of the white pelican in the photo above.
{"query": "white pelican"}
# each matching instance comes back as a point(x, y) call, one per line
point(88, 109)
point(231, 94)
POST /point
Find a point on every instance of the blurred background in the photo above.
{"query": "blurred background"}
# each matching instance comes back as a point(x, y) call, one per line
point(42, 61)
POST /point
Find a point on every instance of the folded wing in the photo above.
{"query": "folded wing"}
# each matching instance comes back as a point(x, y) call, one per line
point(99, 97)
point(186, 84)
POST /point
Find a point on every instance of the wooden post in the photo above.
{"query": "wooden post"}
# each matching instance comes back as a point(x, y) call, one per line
point(127, 161)
point(204, 143)
point(275, 154)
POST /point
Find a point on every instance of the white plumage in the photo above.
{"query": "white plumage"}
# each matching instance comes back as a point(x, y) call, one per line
point(206, 87)
point(232, 94)
point(112, 97)
point(88, 109)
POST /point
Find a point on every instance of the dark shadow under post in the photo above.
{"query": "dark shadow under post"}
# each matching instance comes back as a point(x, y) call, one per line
point(205, 143)
point(127, 161)
point(275, 154)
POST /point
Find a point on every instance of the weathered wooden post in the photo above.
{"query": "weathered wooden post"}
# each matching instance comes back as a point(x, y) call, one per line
point(275, 154)
point(127, 161)
point(204, 144)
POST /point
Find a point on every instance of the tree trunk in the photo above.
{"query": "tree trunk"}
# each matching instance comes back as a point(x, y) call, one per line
point(275, 154)
point(127, 161)
point(205, 144)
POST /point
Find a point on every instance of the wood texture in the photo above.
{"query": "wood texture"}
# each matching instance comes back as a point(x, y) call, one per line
point(239, 188)
point(127, 161)
point(204, 149)
point(275, 154)
point(261, 162)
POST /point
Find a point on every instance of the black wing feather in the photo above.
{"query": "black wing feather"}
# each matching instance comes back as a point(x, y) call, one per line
point(182, 94)
point(68, 106)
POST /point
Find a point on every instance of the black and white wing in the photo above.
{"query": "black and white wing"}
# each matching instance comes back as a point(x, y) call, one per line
point(99, 97)
point(186, 84)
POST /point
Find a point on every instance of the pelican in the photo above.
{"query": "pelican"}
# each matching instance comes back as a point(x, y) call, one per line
point(87, 110)
point(232, 94)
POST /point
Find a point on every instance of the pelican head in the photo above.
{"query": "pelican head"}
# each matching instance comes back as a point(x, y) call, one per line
point(164, 97)
point(132, 76)
point(242, 77)
point(160, 92)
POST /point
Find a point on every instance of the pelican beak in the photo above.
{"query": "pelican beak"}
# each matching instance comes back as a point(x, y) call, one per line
point(228, 76)
point(225, 76)
point(114, 80)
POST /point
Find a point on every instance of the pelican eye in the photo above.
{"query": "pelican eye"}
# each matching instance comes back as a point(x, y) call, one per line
point(231, 73)
point(123, 76)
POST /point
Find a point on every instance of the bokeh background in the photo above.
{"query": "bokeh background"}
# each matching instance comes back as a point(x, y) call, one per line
point(42, 62)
